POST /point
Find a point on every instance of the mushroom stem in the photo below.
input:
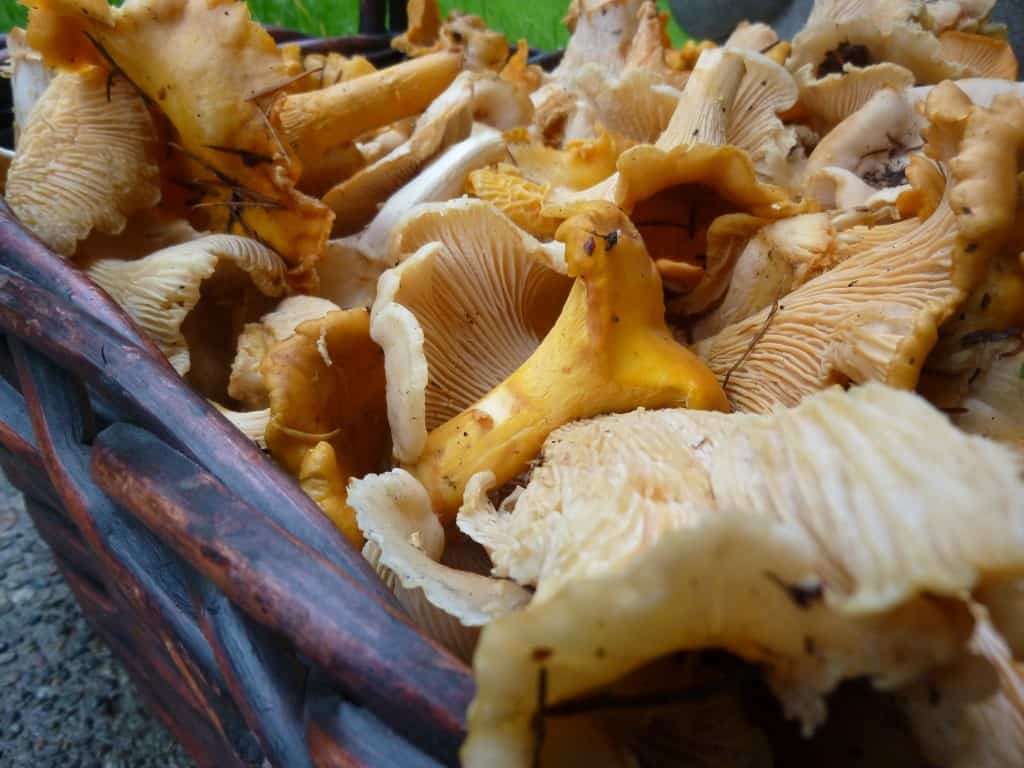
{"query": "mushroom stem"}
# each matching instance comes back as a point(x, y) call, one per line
point(319, 121)
point(609, 351)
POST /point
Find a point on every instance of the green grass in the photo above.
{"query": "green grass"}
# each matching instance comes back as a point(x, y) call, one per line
point(539, 21)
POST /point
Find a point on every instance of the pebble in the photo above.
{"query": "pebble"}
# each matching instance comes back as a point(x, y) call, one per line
point(64, 700)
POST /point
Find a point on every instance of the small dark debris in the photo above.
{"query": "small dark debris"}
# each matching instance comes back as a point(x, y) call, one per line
point(541, 654)
point(802, 595)
point(986, 300)
point(844, 53)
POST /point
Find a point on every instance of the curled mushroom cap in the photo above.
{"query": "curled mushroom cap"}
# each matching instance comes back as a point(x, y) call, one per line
point(406, 544)
point(163, 293)
point(609, 350)
point(829, 100)
point(873, 317)
point(981, 55)
point(325, 384)
point(759, 269)
point(733, 97)
point(861, 33)
point(635, 102)
point(256, 339)
point(85, 160)
point(873, 142)
point(629, 517)
point(876, 315)
point(352, 265)
point(461, 314)
point(522, 200)
point(216, 71)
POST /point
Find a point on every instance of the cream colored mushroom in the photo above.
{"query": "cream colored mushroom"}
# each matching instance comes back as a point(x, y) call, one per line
point(829, 100)
point(873, 317)
point(868, 545)
point(448, 120)
point(84, 162)
point(192, 299)
point(246, 382)
point(874, 143)
point(972, 713)
point(406, 545)
point(29, 78)
point(252, 424)
point(352, 265)
point(461, 313)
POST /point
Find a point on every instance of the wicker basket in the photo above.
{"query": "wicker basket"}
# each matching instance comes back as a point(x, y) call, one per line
point(252, 628)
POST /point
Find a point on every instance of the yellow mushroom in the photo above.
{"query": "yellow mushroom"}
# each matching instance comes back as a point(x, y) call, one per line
point(85, 160)
point(837, 539)
point(325, 384)
point(211, 70)
point(522, 200)
point(317, 122)
point(470, 301)
point(608, 351)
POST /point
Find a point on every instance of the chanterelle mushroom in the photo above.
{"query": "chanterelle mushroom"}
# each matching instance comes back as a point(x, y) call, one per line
point(461, 313)
point(326, 385)
point(835, 540)
point(876, 315)
point(609, 350)
point(256, 340)
point(192, 299)
point(86, 160)
point(407, 546)
point(211, 70)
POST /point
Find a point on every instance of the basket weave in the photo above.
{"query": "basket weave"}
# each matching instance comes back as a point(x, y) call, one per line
point(253, 630)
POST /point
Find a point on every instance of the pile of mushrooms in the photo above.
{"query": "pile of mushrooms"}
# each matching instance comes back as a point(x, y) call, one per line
point(681, 390)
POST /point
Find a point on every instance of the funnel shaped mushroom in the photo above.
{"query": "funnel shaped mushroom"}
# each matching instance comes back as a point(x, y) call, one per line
point(461, 314)
point(207, 66)
point(723, 140)
point(836, 540)
point(85, 160)
point(257, 339)
point(326, 385)
point(874, 143)
point(609, 350)
point(406, 546)
point(876, 315)
point(178, 296)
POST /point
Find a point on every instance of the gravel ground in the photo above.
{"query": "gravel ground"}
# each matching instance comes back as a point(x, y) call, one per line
point(64, 700)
